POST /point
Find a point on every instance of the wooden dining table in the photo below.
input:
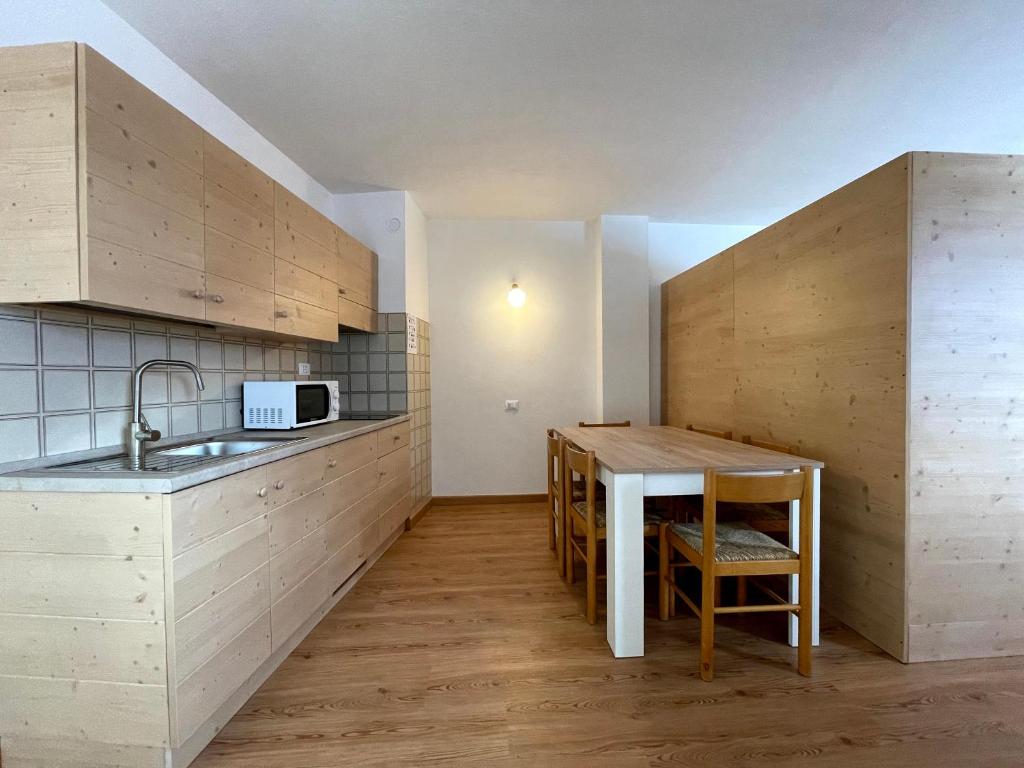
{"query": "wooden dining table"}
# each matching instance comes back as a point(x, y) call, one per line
point(634, 462)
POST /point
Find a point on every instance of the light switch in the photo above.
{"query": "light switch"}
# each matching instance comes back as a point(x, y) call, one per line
point(511, 405)
point(303, 369)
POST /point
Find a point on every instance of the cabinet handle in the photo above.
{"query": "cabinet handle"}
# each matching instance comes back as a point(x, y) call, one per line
point(396, 437)
point(279, 484)
point(341, 291)
point(332, 463)
point(198, 294)
point(217, 298)
point(262, 493)
point(281, 313)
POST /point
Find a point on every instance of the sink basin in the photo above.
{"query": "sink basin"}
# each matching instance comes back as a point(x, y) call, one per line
point(223, 447)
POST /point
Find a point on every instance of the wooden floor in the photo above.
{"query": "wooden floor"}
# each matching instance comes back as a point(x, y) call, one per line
point(463, 647)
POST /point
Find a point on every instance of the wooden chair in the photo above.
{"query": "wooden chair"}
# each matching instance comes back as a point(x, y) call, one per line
point(556, 503)
point(734, 549)
point(605, 424)
point(587, 515)
point(724, 434)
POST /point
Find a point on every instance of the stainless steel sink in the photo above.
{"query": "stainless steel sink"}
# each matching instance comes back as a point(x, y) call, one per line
point(177, 458)
point(224, 447)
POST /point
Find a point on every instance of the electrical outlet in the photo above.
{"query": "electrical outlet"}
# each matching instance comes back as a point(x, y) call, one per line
point(303, 369)
point(511, 405)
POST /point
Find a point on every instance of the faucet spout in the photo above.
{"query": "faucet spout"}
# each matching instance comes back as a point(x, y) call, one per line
point(139, 432)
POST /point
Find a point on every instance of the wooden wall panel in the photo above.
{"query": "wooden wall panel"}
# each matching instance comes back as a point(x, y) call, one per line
point(813, 354)
point(698, 366)
point(966, 432)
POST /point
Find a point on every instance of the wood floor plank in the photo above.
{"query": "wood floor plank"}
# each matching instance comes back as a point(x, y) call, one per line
point(463, 647)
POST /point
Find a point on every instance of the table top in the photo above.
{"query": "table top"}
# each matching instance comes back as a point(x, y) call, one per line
point(642, 450)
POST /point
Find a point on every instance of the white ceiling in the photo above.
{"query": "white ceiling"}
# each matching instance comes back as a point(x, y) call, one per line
point(706, 111)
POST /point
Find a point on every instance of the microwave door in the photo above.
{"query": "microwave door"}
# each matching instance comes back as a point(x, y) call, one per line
point(312, 403)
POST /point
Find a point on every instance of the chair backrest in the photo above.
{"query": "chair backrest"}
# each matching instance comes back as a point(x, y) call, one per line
point(554, 455)
point(724, 434)
point(768, 445)
point(583, 463)
point(756, 489)
point(605, 424)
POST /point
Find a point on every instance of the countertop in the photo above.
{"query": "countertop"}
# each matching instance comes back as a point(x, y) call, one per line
point(168, 482)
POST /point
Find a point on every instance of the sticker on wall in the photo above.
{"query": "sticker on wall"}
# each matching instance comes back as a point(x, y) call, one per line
point(412, 340)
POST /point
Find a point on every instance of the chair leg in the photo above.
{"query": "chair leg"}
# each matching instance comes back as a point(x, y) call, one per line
point(718, 591)
point(741, 590)
point(552, 518)
point(707, 626)
point(804, 618)
point(570, 554)
point(664, 573)
point(560, 544)
point(591, 579)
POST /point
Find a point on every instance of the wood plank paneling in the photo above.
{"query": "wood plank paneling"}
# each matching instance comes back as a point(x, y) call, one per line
point(117, 155)
point(123, 217)
point(290, 522)
point(298, 216)
point(348, 455)
point(818, 346)
point(236, 498)
point(302, 285)
point(357, 271)
point(295, 608)
point(39, 185)
point(232, 259)
point(64, 752)
point(296, 476)
point(392, 438)
point(232, 303)
point(298, 248)
point(82, 523)
point(124, 101)
point(229, 170)
point(234, 216)
point(966, 456)
point(356, 316)
point(296, 318)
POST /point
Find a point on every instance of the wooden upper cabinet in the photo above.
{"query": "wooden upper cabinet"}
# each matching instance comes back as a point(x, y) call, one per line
point(300, 216)
point(232, 172)
point(357, 271)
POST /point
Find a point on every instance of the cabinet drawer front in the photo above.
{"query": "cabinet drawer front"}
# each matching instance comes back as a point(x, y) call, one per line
point(299, 216)
point(119, 216)
point(351, 454)
point(204, 511)
point(238, 261)
point(125, 278)
point(202, 572)
point(201, 634)
point(233, 216)
point(392, 438)
point(289, 523)
point(347, 490)
point(124, 101)
point(295, 247)
point(393, 466)
point(296, 318)
point(234, 303)
point(302, 285)
point(229, 170)
point(395, 516)
point(203, 692)
point(120, 157)
point(296, 476)
point(353, 315)
point(293, 609)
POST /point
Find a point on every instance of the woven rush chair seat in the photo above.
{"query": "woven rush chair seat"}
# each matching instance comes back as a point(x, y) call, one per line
point(601, 514)
point(735, 542)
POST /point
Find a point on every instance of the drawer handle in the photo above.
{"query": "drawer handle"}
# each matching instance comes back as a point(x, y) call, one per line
point(341, 291)
point(279, 484)
point(332, 463)
point(281, 313)
point(396, 437)
point(198, 294)
point(217, 298)
point(262, 493)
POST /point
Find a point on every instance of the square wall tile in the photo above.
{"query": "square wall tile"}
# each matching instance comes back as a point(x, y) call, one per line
point(71, 432)
point(377, 382)
point(360, 402)
point(396, 362)
point(19, 392)
point(211, 416)
point(184, 419)
point(112, 389)
point(211, 355)
point(233, 385)
point(357, 342)
point(157, 417)
point(111, 349)
point(184, 349)
point(214, 382)
point(271, 359)
point(378, 363)
point(183, 386)
point(19, 439)
point(253, 358)
point(234, 357)
point(149, 347)
point(232, 413)
point(65, 344)
point(378, 402)
point(288, 360)
point(65, 391)
point(111, 427)
point(154, 387)
point(397, 402)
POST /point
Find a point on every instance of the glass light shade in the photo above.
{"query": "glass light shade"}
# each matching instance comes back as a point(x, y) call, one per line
point(516, 296)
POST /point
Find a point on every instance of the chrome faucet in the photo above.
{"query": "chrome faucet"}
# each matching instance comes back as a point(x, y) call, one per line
point(140, 433)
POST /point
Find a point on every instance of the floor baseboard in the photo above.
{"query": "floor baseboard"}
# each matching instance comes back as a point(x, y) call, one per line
point(502, 498)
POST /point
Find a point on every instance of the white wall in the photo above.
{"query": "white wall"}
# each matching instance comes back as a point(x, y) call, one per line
point(26, 22)
point(417, 298)
point(674, 248)
point(483, 351)
point(624, 296)
point(592, 244)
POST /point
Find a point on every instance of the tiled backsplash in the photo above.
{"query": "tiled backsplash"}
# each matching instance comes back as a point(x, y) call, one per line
point(65, 378)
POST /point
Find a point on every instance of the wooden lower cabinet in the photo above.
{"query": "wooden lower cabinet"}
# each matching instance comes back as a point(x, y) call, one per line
point(151, 618)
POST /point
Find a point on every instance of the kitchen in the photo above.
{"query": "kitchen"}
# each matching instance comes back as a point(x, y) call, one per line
point(272, 481)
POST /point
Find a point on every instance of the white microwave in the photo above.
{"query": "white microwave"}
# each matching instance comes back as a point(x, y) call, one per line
point(288, 404)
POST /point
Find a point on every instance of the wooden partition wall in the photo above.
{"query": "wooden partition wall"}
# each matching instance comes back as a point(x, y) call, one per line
point(881, 330)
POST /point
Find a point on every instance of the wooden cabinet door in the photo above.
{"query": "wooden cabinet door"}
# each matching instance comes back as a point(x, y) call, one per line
point(232, 303)
point(294, 282)
point(296, 318)
point(298, 216)
point(357, 271)
point(392, 438)
point(294, 477)
point(352, 315)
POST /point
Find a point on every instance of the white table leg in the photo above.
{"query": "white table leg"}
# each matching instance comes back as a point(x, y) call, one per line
point(794, 544)
point(625, 500)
